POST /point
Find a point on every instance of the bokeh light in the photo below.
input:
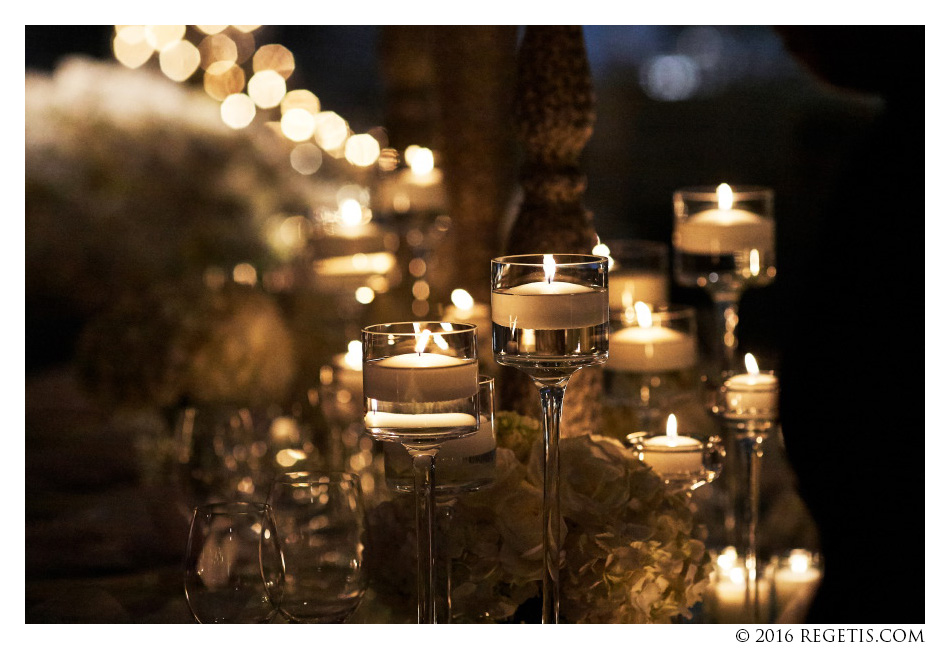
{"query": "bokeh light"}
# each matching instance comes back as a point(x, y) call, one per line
point(362, 150)
point(131, 54)
point(306, 158)
point(218, 47)
point(246, 28)
point(179, 60)
point(297, 124)
point(267, 88)
point(274, 57)
point(238, 110)
point(670, 78)
point(161, 36)
point(365, 295)
point(211, 29)
point(223, 78)
point(300, 99)
point(245, 274)
point(330, 130)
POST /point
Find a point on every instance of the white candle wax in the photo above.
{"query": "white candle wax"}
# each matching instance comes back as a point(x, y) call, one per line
point(750, 394)
point(549, 305)
point(673, 454)
point(416, 377)
point(458, 450)
point(440, 420)
point(796, 583)
point(650, 349)
point(730, 594)
point(724, 231)
point(626, 287)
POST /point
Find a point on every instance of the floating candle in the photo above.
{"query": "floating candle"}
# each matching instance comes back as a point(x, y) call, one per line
point(650, 348)
point(753, 393)
point(626, 287)
point(440, 421)
point(672, 454)
point(725, 230)
point(420, 377)
point(797, 581)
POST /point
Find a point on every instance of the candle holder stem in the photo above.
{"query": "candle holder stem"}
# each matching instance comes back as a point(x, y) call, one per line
point(727, 320)
point(552, 398)
point(423, 464)
point(445, 508)
point(751, 446)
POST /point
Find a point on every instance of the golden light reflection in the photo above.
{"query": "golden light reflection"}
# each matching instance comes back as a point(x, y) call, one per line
point(750, 365)
point(351, 213)
point(289, 456)
point(274, 57)
point(131, 34)
point(417, 267)
point(300, 99)
point(179, 60)
point(306, 158)
point(421, 160)
point(422, 338)
point(330, 130)
point(217, 48)
point(131, 54)
point(644, 315)
point(549, 266)
point(362, 150)
point(365, 295)
point(246, 28)
point(388, 159)
point(238, 110)
point(293, 232)
point(462, 299)
point(297, 124)
point(420, 289)
point(724, 196)
point(267, 88)
point(211, 29)
point(754, 261)
point(223, 78)
point(161, 36)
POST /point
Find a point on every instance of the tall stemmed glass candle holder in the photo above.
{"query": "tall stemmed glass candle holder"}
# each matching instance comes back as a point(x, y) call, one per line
point(748, 407)
point(549, 319)
point(420, 388)
point(724, 242)
point(653, 355)
point(639, 272)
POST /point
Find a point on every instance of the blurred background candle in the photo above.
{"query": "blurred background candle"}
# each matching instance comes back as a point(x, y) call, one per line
point(672, 454)
point(649, 347)
point(638, 272)
point(796, 581)
point(752, 393)
point(725, 230)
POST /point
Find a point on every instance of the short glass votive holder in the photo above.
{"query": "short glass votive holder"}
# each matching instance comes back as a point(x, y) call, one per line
point(796, 577)
point(749, 402)
point(638, 271)
point(684, 463)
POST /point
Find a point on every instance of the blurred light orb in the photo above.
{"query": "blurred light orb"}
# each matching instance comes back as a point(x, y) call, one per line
point(297, 124)
point(330, 130)
point(274, 57)
point(131, 34)
point(244, 273)
point(306, 158)
point(672, 77)
point(420, 289)
point(246, 28)
point(223, 78)
point(462, 299)
point(211, 29)
point(179, 60)
point(351, 213)
point(362, 150)
point(703, 44)
point(267, 88)
point(293, 231)
point(245, 44)
point(217, 48)
point(237, 110)
point(417, 267)
point(365, 295)
point(354, 192)
point(161, 36)
point(302, 99)
point(131, 55)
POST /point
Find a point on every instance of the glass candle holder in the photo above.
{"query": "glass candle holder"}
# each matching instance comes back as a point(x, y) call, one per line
point(420, 388)
point(683, 462)
point(638, 272)
point(653, 358)
point(724, 242)
point(549, 319)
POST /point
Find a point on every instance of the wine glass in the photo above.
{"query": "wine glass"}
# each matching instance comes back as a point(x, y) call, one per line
point(724, 242)
point(320, 527)
point(549, 319)
point(420, 388)
point(233, 565)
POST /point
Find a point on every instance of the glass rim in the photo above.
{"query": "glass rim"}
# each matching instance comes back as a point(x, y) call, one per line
point(739, 192)
point(584, 259)
point(317, 477)
point(377, 329)
point(232, 507)
point(641, 244)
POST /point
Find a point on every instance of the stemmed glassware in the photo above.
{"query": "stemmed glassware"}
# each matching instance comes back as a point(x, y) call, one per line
point(420, 388)
point(549, 319)
point(320, 527)
point(724, 242)
point(233, 564)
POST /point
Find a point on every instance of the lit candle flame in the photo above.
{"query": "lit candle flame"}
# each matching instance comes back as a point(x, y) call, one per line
point(671, 426)
point(439, 340)
point(462, 299)
point(724, 194)
point(422, 340)
point(644, 316)
point(421, 161)
point(549, 266)
point(799, 561)
point(604, 251)
point(754, 266)
point(750, 365)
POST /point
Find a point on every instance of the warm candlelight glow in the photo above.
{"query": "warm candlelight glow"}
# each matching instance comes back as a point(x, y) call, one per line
point(354, 355)
point(754, 266)
point(644, 316)
point(420, 159)
point(750, 365)
point(549, 267)
point(671, 426)
point(462, 299)
point(799, 561)
point(724, 195)
point(422, 340)
point(351, 213)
